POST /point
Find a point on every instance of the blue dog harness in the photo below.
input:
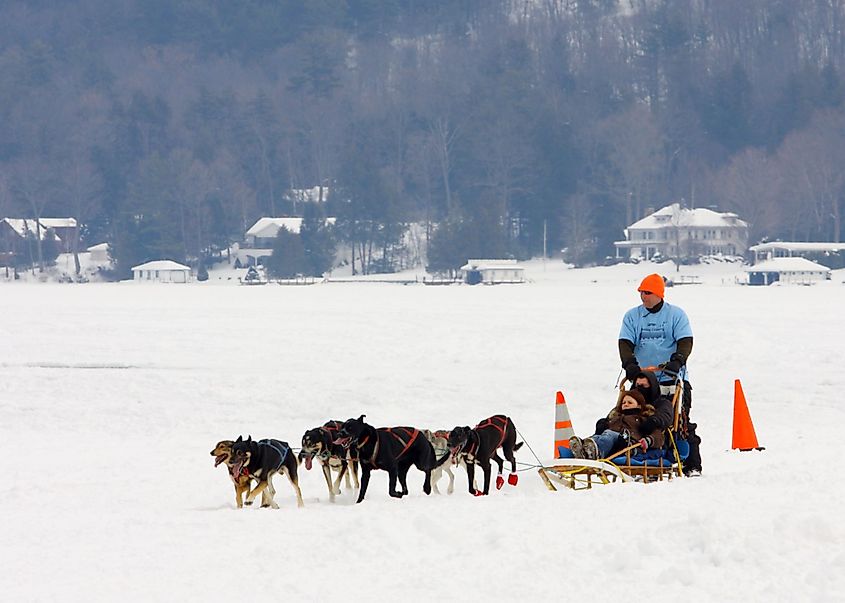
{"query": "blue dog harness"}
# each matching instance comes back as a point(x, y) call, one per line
point(278, 447)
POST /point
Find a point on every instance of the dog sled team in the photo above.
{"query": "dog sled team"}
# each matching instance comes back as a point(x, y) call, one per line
point(345, 447)
point(648, 429)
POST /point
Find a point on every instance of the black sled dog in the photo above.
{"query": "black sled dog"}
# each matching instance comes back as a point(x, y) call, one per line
point(261, 461)
point(393, 449)
point(479, 445)
point(319, 443)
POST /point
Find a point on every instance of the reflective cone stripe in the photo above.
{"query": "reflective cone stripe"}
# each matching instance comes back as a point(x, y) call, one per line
point(744, 436)
point(563, 425)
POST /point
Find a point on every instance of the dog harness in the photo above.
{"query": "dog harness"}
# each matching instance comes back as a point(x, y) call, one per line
point(278, 447)
point(411, 433)
point(499, 422)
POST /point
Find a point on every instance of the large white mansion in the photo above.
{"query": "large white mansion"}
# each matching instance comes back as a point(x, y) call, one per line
point(676, 232)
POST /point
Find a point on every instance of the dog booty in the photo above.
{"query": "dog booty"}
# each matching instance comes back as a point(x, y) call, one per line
point(513, 478)
point(500, 481)
point(479, 493)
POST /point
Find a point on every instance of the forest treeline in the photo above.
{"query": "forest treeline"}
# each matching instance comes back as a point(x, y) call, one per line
point(166, 127)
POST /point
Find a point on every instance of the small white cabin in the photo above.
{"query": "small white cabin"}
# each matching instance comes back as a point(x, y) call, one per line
point(787, 270)
point(161, 271)
point(492, 272)
point(99, 253)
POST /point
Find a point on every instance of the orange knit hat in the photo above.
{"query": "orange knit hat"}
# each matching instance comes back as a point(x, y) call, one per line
point(653, 283)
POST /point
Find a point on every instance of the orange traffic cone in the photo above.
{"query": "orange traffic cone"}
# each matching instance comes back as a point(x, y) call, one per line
point(744, 437)
point(563, 426)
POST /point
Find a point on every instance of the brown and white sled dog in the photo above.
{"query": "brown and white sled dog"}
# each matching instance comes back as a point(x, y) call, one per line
point(318, 443)
point(261, 460)
point(222, 453)
point(440, 442)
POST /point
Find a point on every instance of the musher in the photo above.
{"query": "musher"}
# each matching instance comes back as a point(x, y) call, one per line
point(656, 333)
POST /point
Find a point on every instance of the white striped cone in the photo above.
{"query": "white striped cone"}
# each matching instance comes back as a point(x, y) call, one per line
point(563, 426)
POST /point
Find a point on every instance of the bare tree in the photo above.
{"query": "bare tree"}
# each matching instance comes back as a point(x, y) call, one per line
point(813, 160)
point(751, 185)
point(579, 229)
point(35, 185)
point(85, 189)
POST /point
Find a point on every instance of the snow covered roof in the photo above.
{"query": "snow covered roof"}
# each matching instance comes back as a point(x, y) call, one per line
point(797, 246)
point(58, 222)
point(491, 265)
point(161, 265)
point(308, 194)
point(674, 215)
point(22, 226)
point(787, 265)
point(267, 228)
point(99, 247)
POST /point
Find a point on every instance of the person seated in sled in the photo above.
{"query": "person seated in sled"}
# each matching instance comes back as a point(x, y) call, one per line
point(646, 383)
point(628, 423)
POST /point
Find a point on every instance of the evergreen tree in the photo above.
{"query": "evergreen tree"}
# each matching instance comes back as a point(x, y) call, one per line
point(317, 240)
point(288, 259)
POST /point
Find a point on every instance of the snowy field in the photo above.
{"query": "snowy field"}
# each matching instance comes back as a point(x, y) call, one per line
point(112, 396)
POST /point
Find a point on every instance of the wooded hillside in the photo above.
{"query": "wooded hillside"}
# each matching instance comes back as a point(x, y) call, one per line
point(168, 126)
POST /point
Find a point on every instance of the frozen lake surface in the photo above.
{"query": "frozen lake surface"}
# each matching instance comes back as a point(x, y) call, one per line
point(112, 396)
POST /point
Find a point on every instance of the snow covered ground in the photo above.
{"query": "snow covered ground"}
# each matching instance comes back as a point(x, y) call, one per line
point(112, 396)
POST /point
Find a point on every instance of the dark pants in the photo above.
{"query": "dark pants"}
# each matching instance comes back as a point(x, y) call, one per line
point(687, 430)
point(693, 461)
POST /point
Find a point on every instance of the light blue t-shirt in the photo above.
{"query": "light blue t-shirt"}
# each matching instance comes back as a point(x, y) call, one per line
point(655, 335)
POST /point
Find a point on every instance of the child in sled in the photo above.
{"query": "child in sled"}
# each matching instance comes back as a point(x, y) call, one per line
point(625, 425)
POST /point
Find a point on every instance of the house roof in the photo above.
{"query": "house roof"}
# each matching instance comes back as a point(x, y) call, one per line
point(99, 247)
point(491, 265)
point(267, 228)
point(307, 194)
point(674, 215)
point(58, 222)
point(161, 265)
point(22, 226)
point(797, 246)
point(787, 265)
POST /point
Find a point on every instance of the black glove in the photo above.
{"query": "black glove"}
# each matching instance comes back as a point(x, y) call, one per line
point(601, 425)
point(632, 369)
point(648, 426)
point(676, 361)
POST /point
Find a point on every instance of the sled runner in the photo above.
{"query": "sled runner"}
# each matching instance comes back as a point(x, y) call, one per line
point(629, 464)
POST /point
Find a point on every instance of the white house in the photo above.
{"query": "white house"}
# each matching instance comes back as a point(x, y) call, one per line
point(258, 240)
point(316, 194)
point(776, 249)
point(99, 254)
point(162, 271)
point(787, 270)
point(674, 231)
point(492, 272)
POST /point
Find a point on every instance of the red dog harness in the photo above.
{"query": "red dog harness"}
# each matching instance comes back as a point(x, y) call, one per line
point(410, 433)
point(499, 422)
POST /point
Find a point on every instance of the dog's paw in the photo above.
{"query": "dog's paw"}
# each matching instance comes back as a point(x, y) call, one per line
point(248, 503)
point(513, 478)
point(500, 481)
point(265, 506)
